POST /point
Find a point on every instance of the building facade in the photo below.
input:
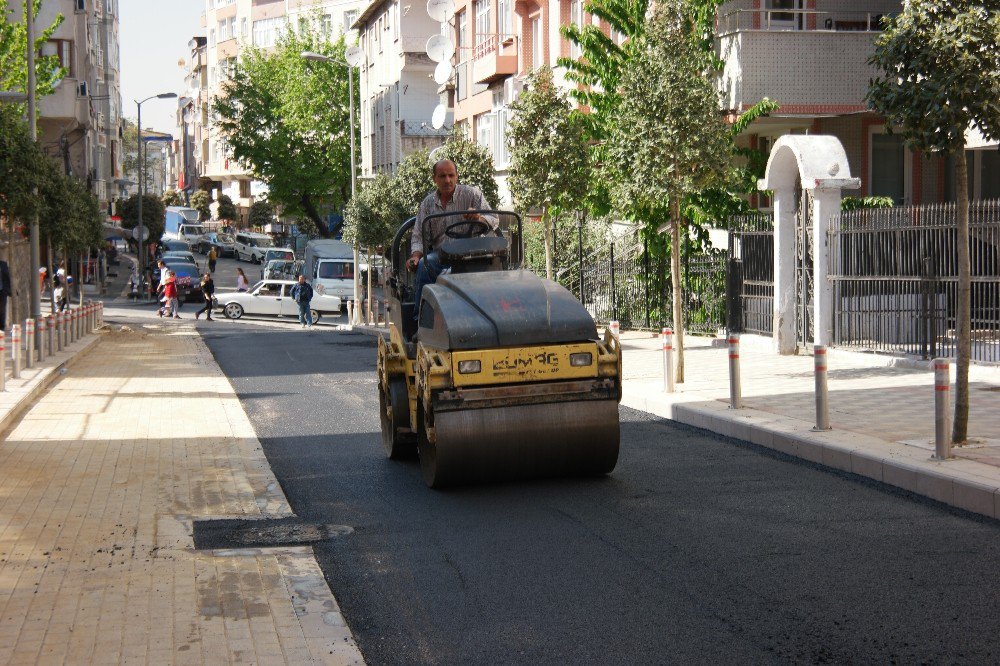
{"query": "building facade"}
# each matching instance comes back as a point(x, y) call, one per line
point(397, 89)
point(229, 26)
point(80, 123)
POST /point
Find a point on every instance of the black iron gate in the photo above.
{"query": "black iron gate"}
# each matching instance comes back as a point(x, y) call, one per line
point(804, 271)
point(750, 274)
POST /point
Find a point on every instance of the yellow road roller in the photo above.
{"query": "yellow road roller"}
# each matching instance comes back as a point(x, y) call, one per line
point(503, 375)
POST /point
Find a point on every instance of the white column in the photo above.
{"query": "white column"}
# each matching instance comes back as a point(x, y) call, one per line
point(784, 271)
point(826, 206)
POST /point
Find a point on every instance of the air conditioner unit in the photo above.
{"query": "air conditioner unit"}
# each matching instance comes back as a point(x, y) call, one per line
point(512, 87)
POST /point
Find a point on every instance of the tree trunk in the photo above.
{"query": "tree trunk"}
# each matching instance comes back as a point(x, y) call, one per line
point(675, 278)
point(960, 432)
point(310, 209)
point(548, 242)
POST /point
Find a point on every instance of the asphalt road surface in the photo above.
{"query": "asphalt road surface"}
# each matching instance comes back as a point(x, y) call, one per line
point(697, 549)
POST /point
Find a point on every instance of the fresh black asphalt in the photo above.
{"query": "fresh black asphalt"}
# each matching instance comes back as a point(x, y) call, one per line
point(697, 549)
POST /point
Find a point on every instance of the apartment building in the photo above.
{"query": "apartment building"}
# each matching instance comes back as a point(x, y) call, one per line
point(397, 89)
point(80, 122)
point(229, 26)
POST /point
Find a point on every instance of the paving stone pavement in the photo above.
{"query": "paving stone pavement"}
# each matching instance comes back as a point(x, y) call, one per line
point(99, 484)
point(882, 414)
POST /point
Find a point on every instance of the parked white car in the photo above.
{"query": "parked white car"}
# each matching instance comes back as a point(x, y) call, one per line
point(273, 298)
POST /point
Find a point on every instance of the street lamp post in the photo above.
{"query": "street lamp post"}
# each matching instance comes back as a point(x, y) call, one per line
point(34, 291)
point(141, 242)
point(309, 55)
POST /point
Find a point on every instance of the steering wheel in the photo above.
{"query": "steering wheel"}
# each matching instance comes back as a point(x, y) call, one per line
point(473, 228)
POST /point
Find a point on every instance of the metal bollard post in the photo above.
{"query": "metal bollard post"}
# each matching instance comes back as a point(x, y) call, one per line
point(735, 392)
point(43, 327)
point(90, 318)
point(942, 407)
point(822, 394)
point(667, 337)
point(3, 361)
point(29, 343)
point(63, 329)
point(615, 328)
point(100, 314)
point(50, 326)
point(15, 350)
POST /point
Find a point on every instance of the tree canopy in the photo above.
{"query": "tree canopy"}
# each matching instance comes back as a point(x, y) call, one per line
point(261, 213)
point(287, 119)
point(227, 209)
point(14, 50)
point(550, 160)
point(939, 75)
point(153, 212)
point(201, 201)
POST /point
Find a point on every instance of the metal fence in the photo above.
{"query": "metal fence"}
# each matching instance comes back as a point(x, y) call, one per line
point(895, 276)
point(750, 280)
point(625, 282)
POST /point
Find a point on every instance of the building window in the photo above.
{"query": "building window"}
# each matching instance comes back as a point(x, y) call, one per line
point(536, 43)
point(505, 17)
point(326, 26)
point(888, 177)
point(244, 28)
point(266, 31)
point(211, 37)
point(62, 49)
point(501, 151)
point(484, 130)
point(350, 17)
point(576, 18)
point(483, 25)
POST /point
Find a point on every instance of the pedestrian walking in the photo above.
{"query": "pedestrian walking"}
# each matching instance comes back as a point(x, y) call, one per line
point(170, 291)
point(302, 293)
point(208, 292)
point(213, 256)
point(241, 281)
point(60, 298)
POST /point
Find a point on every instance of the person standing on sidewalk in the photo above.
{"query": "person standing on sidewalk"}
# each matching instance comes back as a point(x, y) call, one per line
point(302, 293)
point(213, 256)
point(208, 292)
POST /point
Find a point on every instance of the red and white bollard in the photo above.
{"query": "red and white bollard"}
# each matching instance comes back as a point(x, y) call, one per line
point(43, 342)
point(15, 351)
point(942, 409)
point(615, 329)
point(822, 394)
point(29, 342)
point(667, 339)
point(735, 390)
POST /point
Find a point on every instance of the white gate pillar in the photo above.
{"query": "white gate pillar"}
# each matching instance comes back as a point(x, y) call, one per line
point(819, 164)
point(784, 270)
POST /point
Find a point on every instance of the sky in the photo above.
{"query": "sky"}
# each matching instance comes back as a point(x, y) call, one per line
point(153, 36)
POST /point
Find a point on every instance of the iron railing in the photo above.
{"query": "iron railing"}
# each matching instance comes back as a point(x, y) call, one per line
point(895, 277)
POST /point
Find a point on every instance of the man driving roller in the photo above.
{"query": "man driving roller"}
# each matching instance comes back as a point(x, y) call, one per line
point(448, 197)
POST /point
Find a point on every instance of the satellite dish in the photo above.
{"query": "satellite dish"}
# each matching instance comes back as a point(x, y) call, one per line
point(353, 55)
point(437, 118)
point(440, 48)
point(442, 72)
point(435, 154)
point(440, 10)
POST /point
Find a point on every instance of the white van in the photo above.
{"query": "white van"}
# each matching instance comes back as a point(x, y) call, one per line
point(251, 246)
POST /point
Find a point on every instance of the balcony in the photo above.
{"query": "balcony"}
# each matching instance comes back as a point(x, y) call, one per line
point(494, 58)
point(809, 61)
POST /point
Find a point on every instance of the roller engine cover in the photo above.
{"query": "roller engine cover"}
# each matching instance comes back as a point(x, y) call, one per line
point(500, 309)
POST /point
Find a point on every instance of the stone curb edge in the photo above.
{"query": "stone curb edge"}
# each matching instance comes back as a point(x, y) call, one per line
point(953, 482)
point(45, 378)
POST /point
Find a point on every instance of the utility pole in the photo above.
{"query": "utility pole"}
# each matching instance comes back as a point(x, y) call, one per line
point(34, 288)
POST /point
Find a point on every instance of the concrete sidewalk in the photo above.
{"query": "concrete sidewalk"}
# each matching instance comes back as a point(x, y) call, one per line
point(882, 414)
point(100, 482)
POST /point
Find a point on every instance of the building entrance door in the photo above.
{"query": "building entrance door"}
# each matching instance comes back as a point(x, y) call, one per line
point(787, 20)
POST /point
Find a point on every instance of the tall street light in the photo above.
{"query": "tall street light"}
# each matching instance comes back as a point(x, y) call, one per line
point(35, 289)
point(140, 228)
point(309, 55)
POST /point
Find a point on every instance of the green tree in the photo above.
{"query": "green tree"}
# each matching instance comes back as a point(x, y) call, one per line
point(374, 215)
point(550, 167)
point(940, 75)
point(14, 54)
point(287, 120)
point(172, 198)
point(21, 161)
point(227, 209)
point(669, 139)
point(70, 216)
point(261, 213)
point(153, 212)
point(412, 181)
point(201, 201)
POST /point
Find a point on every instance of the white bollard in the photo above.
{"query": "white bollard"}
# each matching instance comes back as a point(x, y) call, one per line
point(64, 328)
point(100, 314)
point(615, 328)
point(350, 312)
point(667, 338)
point(822, 394)
point(15, 351)
point(735, 390)
point(3, 361)
point(29, 343)
point(50, 326)
point(942, 407)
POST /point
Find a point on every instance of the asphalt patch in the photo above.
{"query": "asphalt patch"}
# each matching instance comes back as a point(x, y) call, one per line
point(240, 533)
